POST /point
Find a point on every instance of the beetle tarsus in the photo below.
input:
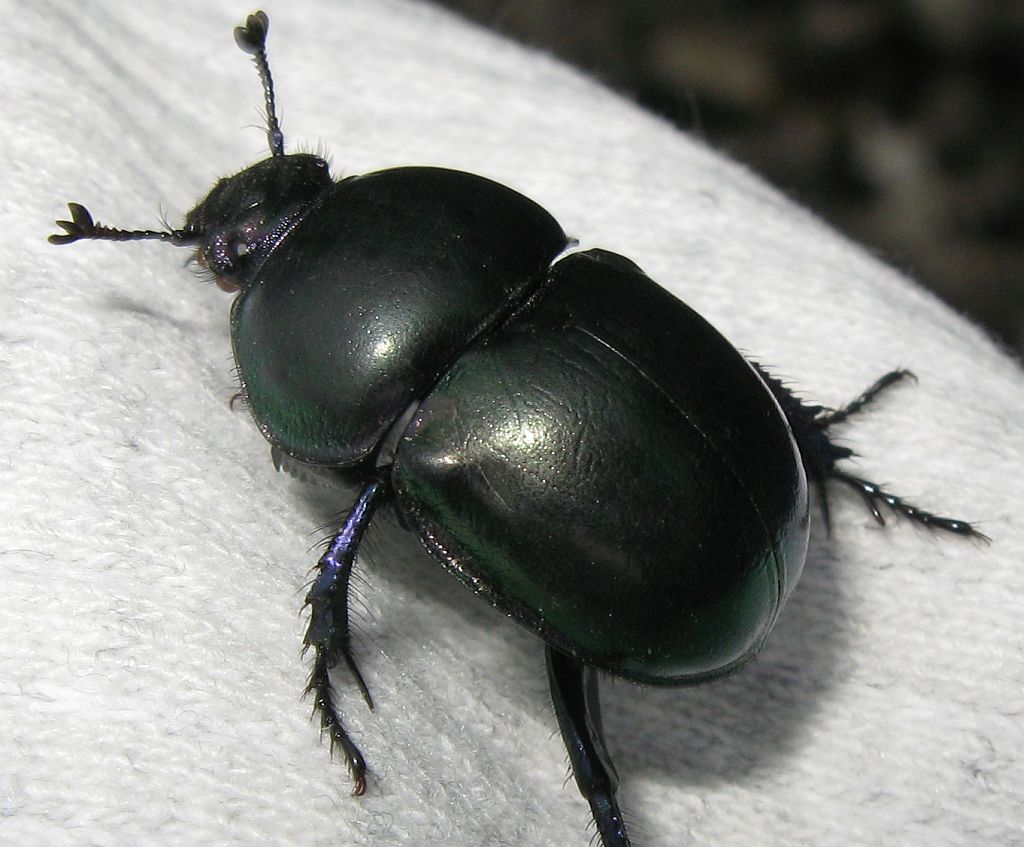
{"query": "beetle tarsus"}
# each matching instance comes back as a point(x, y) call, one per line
point(874, 495)
point(328, 631)
point(323, 704)
point(828, 418)
point(574, 695)
point(810, 425)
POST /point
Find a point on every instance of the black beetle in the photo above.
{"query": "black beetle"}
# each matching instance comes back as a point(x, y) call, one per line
point(575, 444)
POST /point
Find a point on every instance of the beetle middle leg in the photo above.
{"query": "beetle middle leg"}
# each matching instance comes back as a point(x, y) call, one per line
point(575, 698)
point(328, 631)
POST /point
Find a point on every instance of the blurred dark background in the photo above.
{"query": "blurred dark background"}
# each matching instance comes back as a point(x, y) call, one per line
point(899, 121)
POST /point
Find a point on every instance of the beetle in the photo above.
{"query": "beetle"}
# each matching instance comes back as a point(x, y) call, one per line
point(573, 443)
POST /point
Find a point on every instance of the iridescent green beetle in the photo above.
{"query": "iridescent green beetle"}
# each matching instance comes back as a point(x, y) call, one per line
point(572, 442)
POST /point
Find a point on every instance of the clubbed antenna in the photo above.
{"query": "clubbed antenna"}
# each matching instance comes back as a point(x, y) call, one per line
point(252, 38)
point(82, 226)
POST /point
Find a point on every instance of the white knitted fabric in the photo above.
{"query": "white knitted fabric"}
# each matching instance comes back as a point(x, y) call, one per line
point(153, 563)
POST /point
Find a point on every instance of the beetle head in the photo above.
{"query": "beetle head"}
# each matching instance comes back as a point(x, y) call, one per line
point(245, 215)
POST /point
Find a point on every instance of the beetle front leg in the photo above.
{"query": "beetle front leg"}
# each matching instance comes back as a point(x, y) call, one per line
point(328, 631)
point(575, 698)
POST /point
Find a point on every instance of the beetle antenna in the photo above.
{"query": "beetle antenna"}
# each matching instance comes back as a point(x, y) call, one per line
point(252, 38)
point(82, 226)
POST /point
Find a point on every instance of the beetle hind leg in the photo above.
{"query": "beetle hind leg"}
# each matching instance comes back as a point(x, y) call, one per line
point(575, 698)
point(328, 632)
point(810, 425)
point(875, 495)
point(827, 418)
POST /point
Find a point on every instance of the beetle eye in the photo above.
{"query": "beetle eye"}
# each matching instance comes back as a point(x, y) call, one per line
point(231, 252)
point(224, 254)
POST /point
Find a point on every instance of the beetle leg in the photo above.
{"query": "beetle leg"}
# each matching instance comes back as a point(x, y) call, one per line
point(874, 494)
point(328, 630)
point(839, 415)
point(810, 425)
point(575, 698)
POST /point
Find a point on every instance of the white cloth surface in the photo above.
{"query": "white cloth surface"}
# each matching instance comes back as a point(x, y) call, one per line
point(153, 563)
